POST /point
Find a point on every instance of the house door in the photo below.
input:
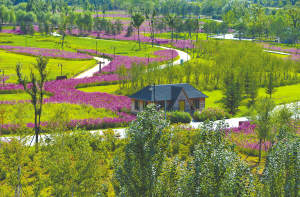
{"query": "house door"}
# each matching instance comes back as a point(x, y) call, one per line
point(181, 105)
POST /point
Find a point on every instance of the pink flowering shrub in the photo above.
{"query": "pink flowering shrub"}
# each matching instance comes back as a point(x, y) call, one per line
point(89, 124)
point(246, 140)
point(210, 114)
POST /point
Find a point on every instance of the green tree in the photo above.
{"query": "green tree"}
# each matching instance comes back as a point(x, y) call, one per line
point(36, 91)
point(31, 29)
point(46, 28)
point(225, 173)
point(232, 92)
point(119, 26)
point(261, 115)
point(270, 85)
point(137, 174)
point(104, 7)
point(171, 21)
point(137, 21)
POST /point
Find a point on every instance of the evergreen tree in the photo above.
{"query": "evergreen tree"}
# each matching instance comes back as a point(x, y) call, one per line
point(270, 86)
point(31, 30)
point(23, 27)
point(253, 90)
point(41, 29)
point(232, 92)
point(46, 28)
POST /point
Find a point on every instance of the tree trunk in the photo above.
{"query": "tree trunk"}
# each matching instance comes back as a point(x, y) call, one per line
point(36, 130)
point(139, 37)
point(259, 155)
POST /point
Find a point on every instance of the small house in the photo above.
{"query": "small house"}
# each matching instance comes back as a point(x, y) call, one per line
point(179, 97)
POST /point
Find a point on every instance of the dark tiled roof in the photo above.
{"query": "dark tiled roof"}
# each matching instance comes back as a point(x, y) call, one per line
point(171, 91)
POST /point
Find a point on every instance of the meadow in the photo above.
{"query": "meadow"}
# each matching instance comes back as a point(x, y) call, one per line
point(70, 67)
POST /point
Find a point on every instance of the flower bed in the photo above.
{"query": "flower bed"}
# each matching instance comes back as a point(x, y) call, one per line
point(52, 53)
point(163, 55)
point(65, 92)
point(92, 123)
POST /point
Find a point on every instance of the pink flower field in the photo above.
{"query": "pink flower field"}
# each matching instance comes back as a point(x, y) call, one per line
point(52, 53)
point(162, 55)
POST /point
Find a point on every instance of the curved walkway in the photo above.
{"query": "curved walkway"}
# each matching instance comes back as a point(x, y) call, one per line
point(183, 56)
point(90, 72)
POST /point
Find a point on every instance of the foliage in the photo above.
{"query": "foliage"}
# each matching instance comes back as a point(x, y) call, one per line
point(261, 115)
point(137, 174)
point(281, 173)
point(225, 172)
point(179, 117)
point(232, 92)
point(210, 114)
point(36, 91)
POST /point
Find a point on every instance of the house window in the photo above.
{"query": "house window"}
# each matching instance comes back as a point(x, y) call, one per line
point(137, 105)
point(145, 104)
point(196, 103)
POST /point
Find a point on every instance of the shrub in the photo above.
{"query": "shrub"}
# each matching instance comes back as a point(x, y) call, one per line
point(210, 114)
point(6, 41)
point(176, 117)
point(129, 31)
point(5, 35)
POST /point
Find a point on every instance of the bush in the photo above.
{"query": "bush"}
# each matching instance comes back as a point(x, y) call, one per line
point(176, 117)
point(210, 114)
point(6, 41)
point(129, 31)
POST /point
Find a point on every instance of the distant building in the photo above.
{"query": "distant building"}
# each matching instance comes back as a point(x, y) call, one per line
point(180, 97)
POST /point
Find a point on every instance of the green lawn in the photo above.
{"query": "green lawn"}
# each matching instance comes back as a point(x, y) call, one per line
point(111, 89)
point(16, 97)
point(50, 110)
point(284, 94)
point(70, 68)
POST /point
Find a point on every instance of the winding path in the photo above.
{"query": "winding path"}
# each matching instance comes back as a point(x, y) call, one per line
point(183, 56)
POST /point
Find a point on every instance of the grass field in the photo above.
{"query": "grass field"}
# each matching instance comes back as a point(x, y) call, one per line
point(49, 110)
point(111, 89)
point(16, 97)
point(284, 94)
point(70, 68)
